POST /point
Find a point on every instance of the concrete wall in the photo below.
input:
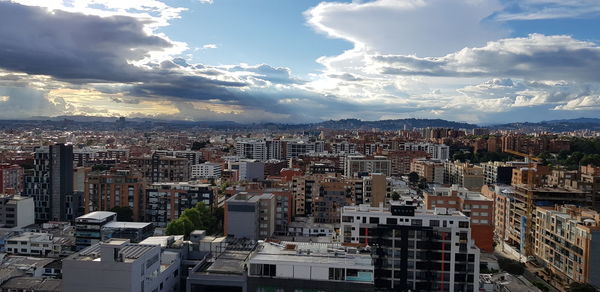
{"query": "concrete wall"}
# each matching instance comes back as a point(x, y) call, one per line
point(242, 224)
point(25, 213)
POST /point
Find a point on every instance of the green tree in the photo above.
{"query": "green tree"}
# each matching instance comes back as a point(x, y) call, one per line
point(176, 227)
point(581, 287)
point(199, 217)
point(423, 183)
point(511, 266)
point(413, 177)
point(124, 214)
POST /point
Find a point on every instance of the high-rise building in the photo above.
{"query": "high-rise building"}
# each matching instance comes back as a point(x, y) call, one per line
point(118, 187)
point(414, 249)
point(158, 168)
point(51, 184)
point(431, 170)
point(166, 201)
point(329, 199)
point(359, 165)
point(567, 240)
point(250, 216)
point(206, 170)
point(11, 179)
point(377, 189)
point(463, 174)
point(251, 170)
point(480, 210)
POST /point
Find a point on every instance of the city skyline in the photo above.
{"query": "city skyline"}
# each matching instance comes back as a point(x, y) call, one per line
point(473, 61)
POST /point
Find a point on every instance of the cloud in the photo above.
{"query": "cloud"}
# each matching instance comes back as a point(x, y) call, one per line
point(23, 102)
point(73, 46)
point(423, 27)
point(210, 46)
point(547, 9)
point(537, 56)
point(206, 1)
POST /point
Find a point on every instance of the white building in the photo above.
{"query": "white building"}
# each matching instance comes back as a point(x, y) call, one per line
point(37, 244)
point(118, 265)
point(16, 211)
point(437, 151)
point(206, 170)
point(300, 262)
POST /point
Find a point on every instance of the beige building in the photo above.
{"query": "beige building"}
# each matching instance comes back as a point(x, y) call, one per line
point(464, 174)
point(567, 240)
point(376, 189)
point(431, 170)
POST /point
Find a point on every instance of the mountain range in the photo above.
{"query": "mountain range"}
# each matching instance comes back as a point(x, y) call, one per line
point(344, 124)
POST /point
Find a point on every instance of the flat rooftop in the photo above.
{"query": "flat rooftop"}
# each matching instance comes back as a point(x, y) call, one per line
point(126, 225)
point(130, 251)
point(96, 216)
point(311, 253)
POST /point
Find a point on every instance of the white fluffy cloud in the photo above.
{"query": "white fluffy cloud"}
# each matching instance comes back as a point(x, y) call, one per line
point(537, 57)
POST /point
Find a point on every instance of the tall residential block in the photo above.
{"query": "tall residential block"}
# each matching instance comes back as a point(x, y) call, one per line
point(118, 187)
point(415, 249)
point(478, 208)
point(166, 201)
point(51, 184)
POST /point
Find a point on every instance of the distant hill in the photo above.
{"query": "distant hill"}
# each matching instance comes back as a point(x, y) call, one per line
point(566, 125)
point(398, 124)
point(91, 122)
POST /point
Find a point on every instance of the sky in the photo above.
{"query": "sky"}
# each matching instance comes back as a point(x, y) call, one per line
point(296, 61)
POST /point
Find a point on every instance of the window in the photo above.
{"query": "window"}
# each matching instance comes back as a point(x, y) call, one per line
point(263, 270)
point(416, 222)
point(374, 220)
point(336, 274)
point(391, 221)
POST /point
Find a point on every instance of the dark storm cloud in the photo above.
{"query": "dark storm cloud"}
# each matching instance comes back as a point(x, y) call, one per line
point(79, 48)
point(72, 46)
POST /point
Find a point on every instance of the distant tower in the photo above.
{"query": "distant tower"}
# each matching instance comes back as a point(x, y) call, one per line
point(121, 122)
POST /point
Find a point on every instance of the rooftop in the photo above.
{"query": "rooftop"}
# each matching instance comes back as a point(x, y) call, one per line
point(130, 251)
point(182, 184)
point(124, 225)
point(97, 215)
point(31, 236)
point(33, 284)
point(312, 253)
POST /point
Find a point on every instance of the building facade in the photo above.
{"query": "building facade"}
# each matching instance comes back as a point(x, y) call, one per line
point(16, 211)
point(415, 250)
point(166, 201)
point(51, 184)
point(118, 187)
